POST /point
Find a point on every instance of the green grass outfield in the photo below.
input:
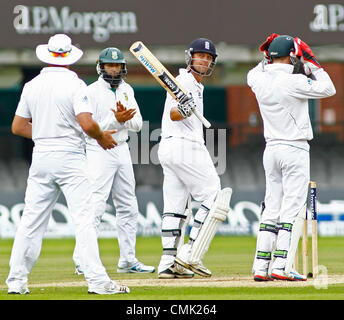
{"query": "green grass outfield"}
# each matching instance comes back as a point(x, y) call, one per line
point(229, 258)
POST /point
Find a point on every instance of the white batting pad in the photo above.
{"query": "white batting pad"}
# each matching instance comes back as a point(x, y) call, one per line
point(295, 237)
point(217, 214)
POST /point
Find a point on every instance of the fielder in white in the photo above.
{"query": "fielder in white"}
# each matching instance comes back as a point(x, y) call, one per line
point(111, 171)
point(188, 169)
point(283, 96)
point(54, 112)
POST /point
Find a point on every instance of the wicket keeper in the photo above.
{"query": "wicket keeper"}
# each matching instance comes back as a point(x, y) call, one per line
point(283, 96)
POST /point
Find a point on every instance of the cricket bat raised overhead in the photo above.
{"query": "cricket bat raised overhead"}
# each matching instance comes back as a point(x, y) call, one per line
point(162, 75)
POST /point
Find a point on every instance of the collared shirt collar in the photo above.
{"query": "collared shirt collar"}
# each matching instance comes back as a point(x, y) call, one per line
point(107, 85)
point(288, 68)
point(56, 69)
point(104, 83)
point(188, 73)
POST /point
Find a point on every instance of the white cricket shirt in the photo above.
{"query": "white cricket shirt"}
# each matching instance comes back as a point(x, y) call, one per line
point(52, 100)
point(190, 128)
point(102, 99)
point(283, 100)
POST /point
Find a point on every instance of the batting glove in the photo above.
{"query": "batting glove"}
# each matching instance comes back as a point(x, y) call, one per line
point(264, 47)
point(302, 50)
point(186, 106)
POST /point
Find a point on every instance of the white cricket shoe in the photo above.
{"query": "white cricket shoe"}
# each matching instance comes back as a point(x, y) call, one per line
point(200, 269)
point(18, 290)
point(175, 271)
point(293, 275)
point(78, 270)
point(182, 260)
point(262, 276)
point(137, 267)
point(108, 288)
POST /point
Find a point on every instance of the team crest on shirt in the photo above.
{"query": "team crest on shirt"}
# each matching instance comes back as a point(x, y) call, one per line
point(125, 96)
point(84, 99)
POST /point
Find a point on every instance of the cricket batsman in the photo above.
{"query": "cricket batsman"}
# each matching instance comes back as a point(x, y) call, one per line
point(189, 169)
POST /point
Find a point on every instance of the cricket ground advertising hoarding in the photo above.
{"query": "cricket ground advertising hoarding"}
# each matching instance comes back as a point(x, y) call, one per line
point(242, 218)
point(27, 23)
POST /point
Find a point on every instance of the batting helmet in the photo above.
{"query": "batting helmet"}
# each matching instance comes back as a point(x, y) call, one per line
point(201, 45)
point(111, 55)
point(281, 46)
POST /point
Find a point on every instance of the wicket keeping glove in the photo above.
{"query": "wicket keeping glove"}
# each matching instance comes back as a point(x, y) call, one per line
point(264, 47)
point(186, 106)
point(302, 50)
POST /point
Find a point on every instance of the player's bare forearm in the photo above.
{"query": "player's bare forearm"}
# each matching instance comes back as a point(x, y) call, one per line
point(92, 129)
point(22, 127)
point(175, 115)
point(90, 126)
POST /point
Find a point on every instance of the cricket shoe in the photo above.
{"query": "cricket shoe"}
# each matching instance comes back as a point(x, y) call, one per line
point(137, 267)
point(175, 271)
point(78, 270)
point(200, 269)
point(108, 288)
point(262, 276)
point(18, 290)
point(293, 275)
point(182, 256)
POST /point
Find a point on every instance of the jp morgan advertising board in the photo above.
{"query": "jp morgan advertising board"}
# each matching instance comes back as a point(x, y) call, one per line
point(27, 23)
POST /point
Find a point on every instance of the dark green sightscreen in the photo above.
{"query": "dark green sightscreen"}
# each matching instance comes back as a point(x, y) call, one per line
point(9, 99)
point(152, 99)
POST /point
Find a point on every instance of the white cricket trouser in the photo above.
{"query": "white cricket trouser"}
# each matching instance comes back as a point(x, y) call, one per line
point(287, 172)
point(50, 173)
point(188, 169)
point(112, 171)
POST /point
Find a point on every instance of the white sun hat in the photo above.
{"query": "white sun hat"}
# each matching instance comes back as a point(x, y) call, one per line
point(59, 51)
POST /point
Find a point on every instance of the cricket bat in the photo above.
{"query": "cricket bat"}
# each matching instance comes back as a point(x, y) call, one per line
point(162, 75)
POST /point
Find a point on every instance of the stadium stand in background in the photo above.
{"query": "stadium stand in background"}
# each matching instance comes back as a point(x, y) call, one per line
point(244, 169)
point(229, 102)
